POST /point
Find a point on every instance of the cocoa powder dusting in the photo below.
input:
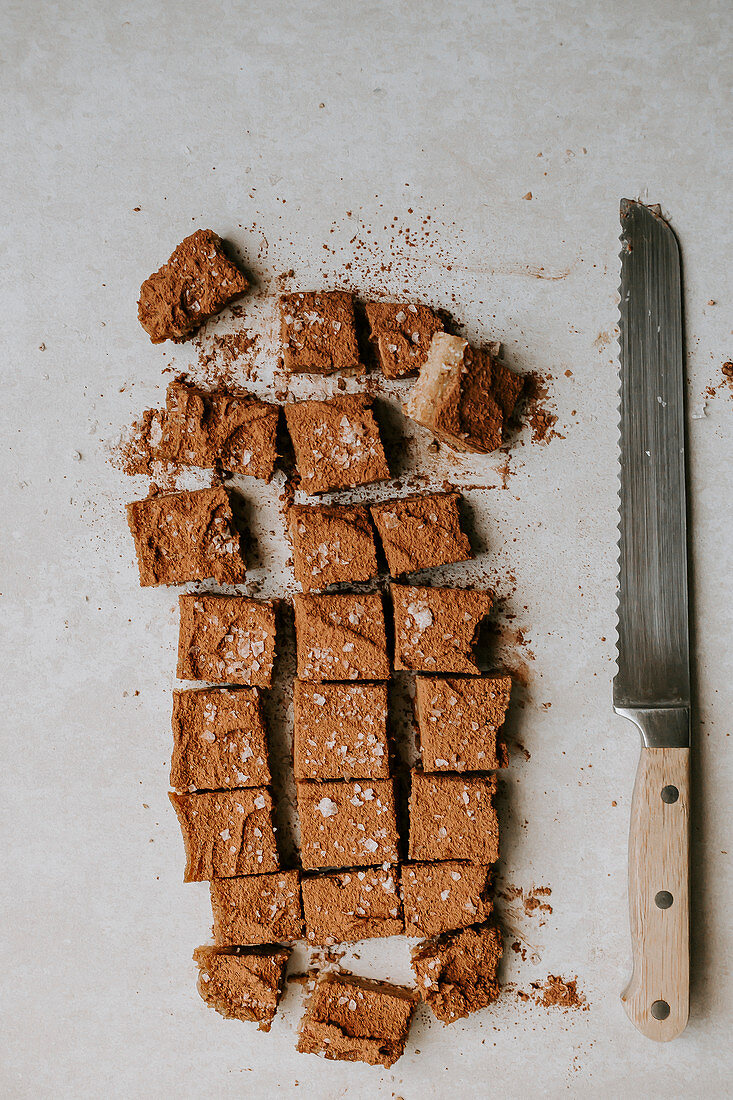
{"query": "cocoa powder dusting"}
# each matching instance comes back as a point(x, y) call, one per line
point(557, 992)
point(540, 418)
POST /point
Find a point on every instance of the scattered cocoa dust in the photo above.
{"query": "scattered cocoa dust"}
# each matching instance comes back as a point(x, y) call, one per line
point(540, 418)
point(556, 992)
point(224, 360)
point(531, 900)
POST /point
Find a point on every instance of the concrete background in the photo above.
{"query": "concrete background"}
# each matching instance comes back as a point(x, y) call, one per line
point(287, 127)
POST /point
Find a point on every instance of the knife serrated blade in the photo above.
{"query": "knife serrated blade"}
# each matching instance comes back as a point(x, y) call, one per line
point(652, 685)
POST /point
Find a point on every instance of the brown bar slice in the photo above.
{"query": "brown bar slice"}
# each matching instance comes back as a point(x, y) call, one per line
point(456, 973)
point(331, 544)
point(340, 731)
point(464, 395)
point(318, 333)
point(208, 429)
point(402, 335)
point(421, 532)
point(219, 740)
point(352, 1019)
point(226, 833)
point(352, 905)
point(257, 908)
point(183, 537)
point(453, 817)
point(459, 721)
point(198, 281)
point(347, 824)
point(242, 983)
point(337, 443)
point(341, 637)
point(226, 639)
point(439, 897)
point(436, 629)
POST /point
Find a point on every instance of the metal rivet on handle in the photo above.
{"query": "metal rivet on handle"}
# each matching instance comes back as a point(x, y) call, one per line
point(670, 794)
point(663, 899)
point(660, 1010)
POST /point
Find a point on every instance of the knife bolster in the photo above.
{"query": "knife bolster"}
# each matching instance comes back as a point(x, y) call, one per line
point(660, 727)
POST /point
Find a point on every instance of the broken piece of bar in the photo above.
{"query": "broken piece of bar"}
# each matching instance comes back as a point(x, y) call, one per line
point(341, 637)
point(183, 537)
point(318, 333)
point(219, 740)
point(464, 395)
point(226, 639)
point(346, 824)
point(420, 532)
point(352, 1019)
point(226, 833)
point(436, 629)
point(198, 281)
point(402, 335)
point(352, 905)
point(242, 983)
point(453, 817)
point(440, 897)
point(456, 973)
point(340, 731)
point(331, 544)
point(257, 908)
point(336, 442)
point(459, 720)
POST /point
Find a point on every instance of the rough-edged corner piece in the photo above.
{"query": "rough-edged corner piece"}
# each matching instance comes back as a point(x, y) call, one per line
point(464, 395)
point(453, 817)
point(341, 637)
point(318, 333)
point(332, 544)
point(242, 983)
point(226, 833)
point(440, 897)
point(215, 428)
point(352, 905)
point(198, 281)
point(352, 1019)
point(340, 731)
point(257, 908)
point(346, 824)
point(183, 537)
point(337, 443)
point(436, 629)
point(456, 972)
point(421, 532)
point(401, 334)
point(219, 740)
point(226, 639)
point(459, 722)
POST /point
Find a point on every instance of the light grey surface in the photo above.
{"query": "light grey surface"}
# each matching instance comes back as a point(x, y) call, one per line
point(270, 123)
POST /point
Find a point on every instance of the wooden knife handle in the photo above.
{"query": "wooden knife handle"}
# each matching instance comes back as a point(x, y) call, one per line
point(657, 997)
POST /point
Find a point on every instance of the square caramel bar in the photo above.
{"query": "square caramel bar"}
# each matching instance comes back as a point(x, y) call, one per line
point(340, 731)
point(331, 544)
point(257, 908)
point(347, 824)
point(351, 1019)
point(439, 897)
point(219, 740)
point(352, 905)
point(453, 817)
point(183, 537)
point(318, 333)
point(198, 281)
point(464, 395)
point(226, 639)
point(336, 442)
point(421, 532)
point(456, 973)
point(242, 983)
point(436, 629)
point(459, 721)
point(341, 637)
point(234, 431)
point(402, 335)
point(226, 833)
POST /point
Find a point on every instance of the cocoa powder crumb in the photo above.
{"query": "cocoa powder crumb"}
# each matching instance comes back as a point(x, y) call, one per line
point(557, 992)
